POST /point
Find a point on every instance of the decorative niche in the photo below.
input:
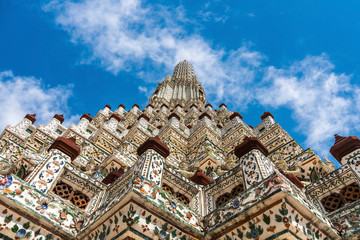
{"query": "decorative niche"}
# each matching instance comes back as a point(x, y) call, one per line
point(75, 189)
point(66, 192)
point(337, 200)
point(181, 197)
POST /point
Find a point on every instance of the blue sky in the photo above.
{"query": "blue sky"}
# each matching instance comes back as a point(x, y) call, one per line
point(298, 60)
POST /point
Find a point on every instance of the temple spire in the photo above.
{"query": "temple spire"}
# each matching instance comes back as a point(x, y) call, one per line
point(182, 88)
point(184, 71)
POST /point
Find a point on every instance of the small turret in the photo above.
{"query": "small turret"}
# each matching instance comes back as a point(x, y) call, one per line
point(31, 117)
point(113, 122)
point(252, 155)
point(120, 110)
point(344, 146)
point(174, 120)
point(135, 108)
point(208, 107)
point(24, 124)
point(84, 122)
point(222, 107)
point(144, 120)
point(149, 108)
point(200, 178)
point(107, 109)
point(59, 117)
point(268, 120)
point(164, 108)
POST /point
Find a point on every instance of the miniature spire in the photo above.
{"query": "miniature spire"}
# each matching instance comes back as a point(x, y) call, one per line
point(59, 117)
point(327, 160)
point(266, 114)
point(200, 178)
point(31, 117)
point(86, 116)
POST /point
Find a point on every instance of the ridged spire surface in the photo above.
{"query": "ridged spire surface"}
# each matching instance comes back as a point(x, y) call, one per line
point(183, 71)
point(182, 87)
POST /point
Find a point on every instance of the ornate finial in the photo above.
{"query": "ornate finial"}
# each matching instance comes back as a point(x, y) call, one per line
point(234, 115)
point(31, 117)
point(338, 138)
point(167, 78)
point(59, 117)
point(86, 116)
point(200, 178)
point(266, 114)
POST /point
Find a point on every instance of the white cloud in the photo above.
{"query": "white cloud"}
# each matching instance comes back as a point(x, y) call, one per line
point(210, 16)
point(322, 101)
point(21, 95)
point(215, 11)
point(148, 92)
point(124, 35)
point(143, 89)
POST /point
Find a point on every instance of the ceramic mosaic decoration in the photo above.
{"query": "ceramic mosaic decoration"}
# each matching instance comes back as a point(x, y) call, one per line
point(178, 169)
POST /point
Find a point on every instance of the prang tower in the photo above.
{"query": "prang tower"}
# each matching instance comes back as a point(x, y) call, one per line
point(177, 169)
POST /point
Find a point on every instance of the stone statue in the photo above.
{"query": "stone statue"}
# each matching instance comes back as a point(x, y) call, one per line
point(6, 168)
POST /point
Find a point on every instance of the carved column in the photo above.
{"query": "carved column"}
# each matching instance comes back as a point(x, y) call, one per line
point(153, 153)
point(62, 151)
point(256, 166)
point(174, 120)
